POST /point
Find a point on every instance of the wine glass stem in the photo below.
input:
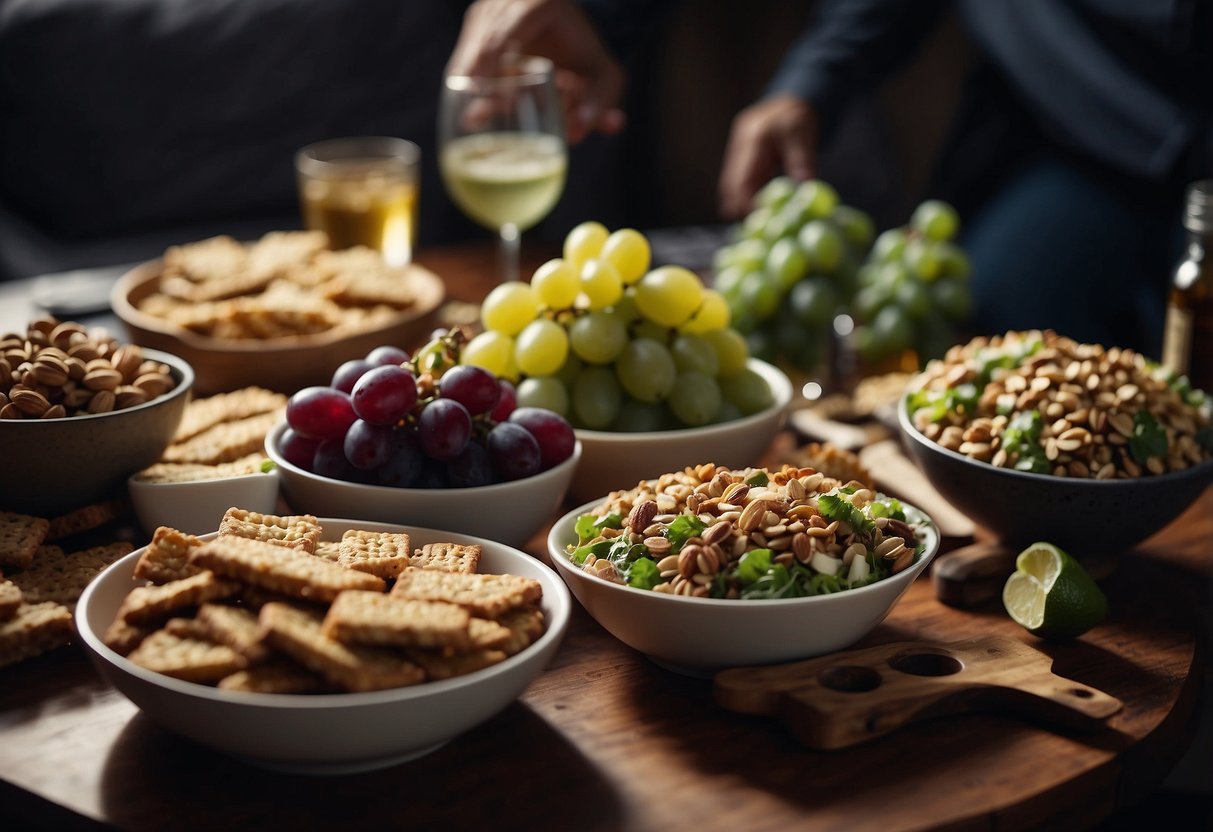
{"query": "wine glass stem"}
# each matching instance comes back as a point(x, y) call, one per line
point(511, 243)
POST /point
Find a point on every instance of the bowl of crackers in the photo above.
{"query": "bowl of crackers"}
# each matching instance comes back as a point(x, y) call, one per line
point(80, 412)
point(282, 312)
point(322, 646)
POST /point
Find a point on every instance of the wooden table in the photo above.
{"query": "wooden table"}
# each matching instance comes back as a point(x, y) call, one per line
point(604, 739)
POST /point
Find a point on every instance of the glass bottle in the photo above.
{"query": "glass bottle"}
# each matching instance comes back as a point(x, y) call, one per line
point(1188, 333)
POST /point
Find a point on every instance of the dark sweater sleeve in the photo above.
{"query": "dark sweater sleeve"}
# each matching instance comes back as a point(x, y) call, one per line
point(849, 45)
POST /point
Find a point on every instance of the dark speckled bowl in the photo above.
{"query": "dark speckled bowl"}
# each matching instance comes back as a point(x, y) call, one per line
point(1082, 516)
point(53, 465)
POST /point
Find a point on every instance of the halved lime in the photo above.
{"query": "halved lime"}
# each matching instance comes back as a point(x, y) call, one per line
point(1051, 595)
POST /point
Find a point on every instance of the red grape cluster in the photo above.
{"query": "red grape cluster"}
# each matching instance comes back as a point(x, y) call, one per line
point(385, 421)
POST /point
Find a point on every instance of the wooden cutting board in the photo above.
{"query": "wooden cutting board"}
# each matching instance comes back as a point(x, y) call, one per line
point(844, 699)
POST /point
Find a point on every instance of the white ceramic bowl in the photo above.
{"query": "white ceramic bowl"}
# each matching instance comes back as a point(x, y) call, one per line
point(331, 733)
point(197, 507)
point(698, 636)
point(613, 460)
point(509, 512)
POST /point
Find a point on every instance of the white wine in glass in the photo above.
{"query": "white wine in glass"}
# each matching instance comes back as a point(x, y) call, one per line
point(503, 154)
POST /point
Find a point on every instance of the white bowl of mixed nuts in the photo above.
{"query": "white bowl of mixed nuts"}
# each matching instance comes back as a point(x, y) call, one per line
point(80, 413)
point(1037, 437)
point(712, 567)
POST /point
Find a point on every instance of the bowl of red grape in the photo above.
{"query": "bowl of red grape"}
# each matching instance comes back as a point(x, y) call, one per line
point(422, 440)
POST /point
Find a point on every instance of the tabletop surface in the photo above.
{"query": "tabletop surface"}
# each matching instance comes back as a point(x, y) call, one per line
point(604, 739)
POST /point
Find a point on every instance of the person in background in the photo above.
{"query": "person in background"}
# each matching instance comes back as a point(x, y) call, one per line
point(1080, 124)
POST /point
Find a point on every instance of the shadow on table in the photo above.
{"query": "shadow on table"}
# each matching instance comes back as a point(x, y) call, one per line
point(505, 774)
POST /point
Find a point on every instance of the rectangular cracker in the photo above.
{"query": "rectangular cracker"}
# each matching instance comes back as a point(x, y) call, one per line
point(204, 414)
point(439, 665)
point(84, 519)
point(486, 634)
point(234, 626)
point(35, 629)
point(224, 442)
point(61, 576)
point(525, 624)
point(294, 531)
point(279, 569)
point(278, 675)
point(122, 638)
point(149, 604)
point(167, 557)
point(190, 659)
point(20, 537)
point(298, 633)
point(187, 628)
point(329, 550)
point(174, 472)
point(486, 596)
point(376, 618)
point(385, 554)
point(447, 557)
point(10, 599)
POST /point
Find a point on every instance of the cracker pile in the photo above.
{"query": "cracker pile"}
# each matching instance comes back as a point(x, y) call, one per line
point(288, 283)
point(219, 436)
point(267, 606)
point(40, 581)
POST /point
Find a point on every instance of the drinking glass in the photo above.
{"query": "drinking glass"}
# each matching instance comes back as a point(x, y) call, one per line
point(502, 148)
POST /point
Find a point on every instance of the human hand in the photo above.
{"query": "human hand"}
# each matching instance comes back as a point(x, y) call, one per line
point(777, 133)
point(589, 79)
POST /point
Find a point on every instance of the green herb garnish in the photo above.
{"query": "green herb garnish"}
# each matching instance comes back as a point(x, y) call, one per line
point(684, 527)
point(1148, 437)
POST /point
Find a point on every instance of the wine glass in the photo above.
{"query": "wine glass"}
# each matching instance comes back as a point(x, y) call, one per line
point(502, 148)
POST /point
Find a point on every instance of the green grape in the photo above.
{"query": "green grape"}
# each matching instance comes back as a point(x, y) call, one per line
point(598, 337)
point(646, 370)
point(493, 351)
point(922, 258)
point(801, 346)
point(727, 412)
point(814, 302)
point(868, 275)
point(728, 280)
point(819, 198)
point(509, 307)
point(748, 390)
point(713, 313)
point(601, 284)
point(936, 220)
point(759, 294)
point(695, 398)
point(893, 275)
point(776, 193)
point(694, 352)
point(584, 243)
point(787, 263)
point(749, 255)
point(570, 369)
point(953, 262)
point(669, 295)
point(556, 284)
point(761, 344)
point(596, 398)
point(644, 328)
point(543, 391)
point(753, 227)
point(782, 224)
point(641, 417)
point(951, 297)
point(857, 227)
point(731, 350)
point(889, 246)
point(822, 244)
point(722, 259)
point(870, 300)
point(625, 308)
point(892, 329)
point(628, 251)
point(541, 348)
point(914, 297)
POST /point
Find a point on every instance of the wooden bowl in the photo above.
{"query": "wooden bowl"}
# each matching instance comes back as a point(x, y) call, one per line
point(281, 364)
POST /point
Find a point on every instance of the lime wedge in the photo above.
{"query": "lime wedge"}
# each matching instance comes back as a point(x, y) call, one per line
point(1051, 595)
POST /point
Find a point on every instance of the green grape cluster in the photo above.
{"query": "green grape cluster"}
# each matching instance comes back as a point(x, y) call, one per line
point(802, 257)
point(599, 337)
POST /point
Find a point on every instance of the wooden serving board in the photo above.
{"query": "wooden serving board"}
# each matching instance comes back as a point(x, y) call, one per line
point(844, 699)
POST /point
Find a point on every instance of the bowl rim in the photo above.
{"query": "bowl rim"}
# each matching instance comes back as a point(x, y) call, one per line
point(486, 491)
point(912, 433)
point(781, 389)
point(563, 565)
point(143, 273)
point(561, 606)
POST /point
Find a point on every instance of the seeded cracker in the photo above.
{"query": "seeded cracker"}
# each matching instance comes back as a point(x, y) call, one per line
point(36, 628)
point(297, 532)
point(278, 675)
point(122, 638)
point(148, 604)
point(203, 414)
point(167, 557)
point(298, 633)
point(234, 626)
point(10, 599)
point(187, 658)
point(447, 557)
point(279, 569)
point(224, 442)
point(329, 550)
point(525, 624)
point(84, 518)
point(20, 537)
point(486, 634)
point(385, 554)
point(376, 618)
point(439, 665)
point(171, 472)
point(487, 596)
point(61, 576)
